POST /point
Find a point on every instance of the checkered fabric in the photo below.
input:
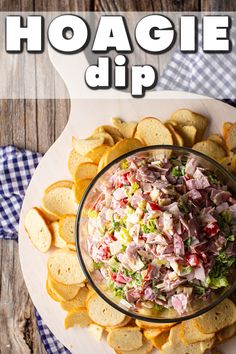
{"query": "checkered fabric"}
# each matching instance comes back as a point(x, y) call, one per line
point(51, 344)
point(211, 75)
point(16, 169)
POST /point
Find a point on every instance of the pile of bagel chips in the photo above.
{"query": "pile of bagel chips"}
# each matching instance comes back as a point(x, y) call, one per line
point(51, 226)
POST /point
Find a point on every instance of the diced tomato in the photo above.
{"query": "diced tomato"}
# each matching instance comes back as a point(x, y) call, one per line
point(192, 260)
point(212, 229)
point(154, 206)
point(123, 202)
point(108, 238)
point(104, 251)
point(123, 180)
point(113, 276)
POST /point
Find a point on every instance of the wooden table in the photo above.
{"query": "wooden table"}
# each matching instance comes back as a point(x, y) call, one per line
point(35, 124)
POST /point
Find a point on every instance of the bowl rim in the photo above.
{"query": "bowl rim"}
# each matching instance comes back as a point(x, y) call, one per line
point(77, 226)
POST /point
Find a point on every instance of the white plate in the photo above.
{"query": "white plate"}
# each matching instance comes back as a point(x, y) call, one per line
point(84, 117)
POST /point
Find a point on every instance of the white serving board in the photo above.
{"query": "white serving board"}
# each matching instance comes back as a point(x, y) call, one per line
point(85, 115)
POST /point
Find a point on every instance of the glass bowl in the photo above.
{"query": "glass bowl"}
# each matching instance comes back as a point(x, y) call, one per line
point(82, 232)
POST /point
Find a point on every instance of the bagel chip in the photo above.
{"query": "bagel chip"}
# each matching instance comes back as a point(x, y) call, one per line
point(80, 187)
point(74, 160)
point(122, 147)
point(82, 146)
point(67, 228)
point(127, 129)
point(79, 301)
point(85, 170)
point(38, 230)
point(57, 240)
point(64, 267)
point(78, 318)
point(63, 292)
point(153, 132)
point(211, 149)
point(102, 313)
point(96, 154)
point(125, 339)
point(58, 199)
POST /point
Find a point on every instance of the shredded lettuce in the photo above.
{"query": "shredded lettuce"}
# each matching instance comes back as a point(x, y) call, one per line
point(97, 265)
point(149, 227)
point(220, 282)
point(114, 264)
point(227, 216)
point(178, 171)
point(188, 242)
point(117, 291)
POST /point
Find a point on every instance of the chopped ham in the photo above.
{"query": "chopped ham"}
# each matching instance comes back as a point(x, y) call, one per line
point(200, 183)
point(178, 245)
point(179, 302)
point(119, 194)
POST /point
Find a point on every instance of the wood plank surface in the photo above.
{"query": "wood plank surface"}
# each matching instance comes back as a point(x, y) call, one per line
point(35, 124)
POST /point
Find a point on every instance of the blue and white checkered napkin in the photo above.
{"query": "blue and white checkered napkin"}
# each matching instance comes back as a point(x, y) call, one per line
point(207, 74)
point(210, 75)
point(16, 169)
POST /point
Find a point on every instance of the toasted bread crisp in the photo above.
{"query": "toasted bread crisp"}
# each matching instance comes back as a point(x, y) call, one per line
point(96, 331)
point(57, 241)
point(175, 344)
point(226, 127)
point(51, 293)
point(86, 170)
point(119, 325)
point(125, 339)
point(108, 139)
point(127, 129)
point(221, 316)
point(217, 138)
point(80, 188)
point(79, 301)
point(183, 117)
point(63, 292)
point(211, 149)
point(152, 333)
point(67, 228)
point(38, 230)
point(102, 313)
point(79, 318)
point(160, 340)
point(58, 199)
point(122, 147)
point(189, 134)
point(177, 138)
point(114, 132)
point(146, 348)
point(64, 267)
point(74, 160)
point(153, 132)
point(226, 333)
point(190, 334)
point(83, 146)
point(231, 137)
point(96, 154)
point(150, 325)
